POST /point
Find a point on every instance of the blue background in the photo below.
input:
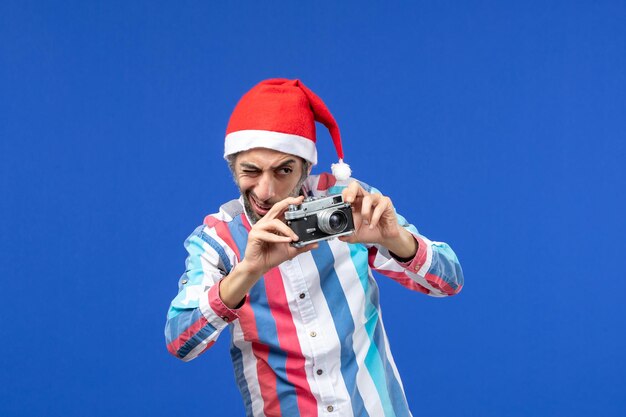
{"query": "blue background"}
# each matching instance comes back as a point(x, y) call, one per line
point(497, 127)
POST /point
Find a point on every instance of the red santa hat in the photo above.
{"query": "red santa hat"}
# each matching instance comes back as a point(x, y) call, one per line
point(280, 114)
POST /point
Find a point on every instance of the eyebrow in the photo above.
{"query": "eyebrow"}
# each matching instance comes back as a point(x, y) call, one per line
point(285, 163)
point(248, 165)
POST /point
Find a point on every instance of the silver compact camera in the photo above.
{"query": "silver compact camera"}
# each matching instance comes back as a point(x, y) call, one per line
point(319, 219)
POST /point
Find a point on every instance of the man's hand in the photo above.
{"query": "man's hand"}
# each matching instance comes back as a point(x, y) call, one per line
point(375, 221)
point(269, 240)
point(268, 246)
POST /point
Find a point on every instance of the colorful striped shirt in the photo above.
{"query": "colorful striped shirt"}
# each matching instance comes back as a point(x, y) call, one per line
point(309, 339)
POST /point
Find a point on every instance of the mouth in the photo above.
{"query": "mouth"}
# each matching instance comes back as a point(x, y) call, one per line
point(260, 208)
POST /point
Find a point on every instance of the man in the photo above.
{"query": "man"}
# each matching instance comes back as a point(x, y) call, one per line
point(307, 338)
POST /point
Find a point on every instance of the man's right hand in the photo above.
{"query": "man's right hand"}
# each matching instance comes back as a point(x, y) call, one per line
point(268, 246)
point(269, 240)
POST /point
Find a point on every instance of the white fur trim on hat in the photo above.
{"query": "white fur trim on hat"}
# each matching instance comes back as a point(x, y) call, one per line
point(243, 140)
point(341, 171)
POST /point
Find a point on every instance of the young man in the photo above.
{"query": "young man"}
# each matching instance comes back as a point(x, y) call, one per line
point(307, 337)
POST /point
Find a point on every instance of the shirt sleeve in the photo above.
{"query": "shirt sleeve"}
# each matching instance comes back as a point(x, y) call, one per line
point(434, 270)
point(197, 315)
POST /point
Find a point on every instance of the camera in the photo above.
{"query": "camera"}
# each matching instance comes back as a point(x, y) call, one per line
point(319, 219)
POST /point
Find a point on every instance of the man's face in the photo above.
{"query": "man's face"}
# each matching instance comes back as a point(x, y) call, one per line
point(265, 177)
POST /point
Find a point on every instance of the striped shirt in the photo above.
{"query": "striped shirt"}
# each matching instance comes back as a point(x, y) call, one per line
point(309, 339)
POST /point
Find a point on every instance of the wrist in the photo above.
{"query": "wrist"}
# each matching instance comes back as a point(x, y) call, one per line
point(236, 285)
point(246, 271)
point(404, 246)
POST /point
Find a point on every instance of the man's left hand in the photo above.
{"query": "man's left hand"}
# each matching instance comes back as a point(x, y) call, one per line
point(375, 221)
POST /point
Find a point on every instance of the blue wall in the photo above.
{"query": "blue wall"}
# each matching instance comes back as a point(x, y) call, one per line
point(497, 127)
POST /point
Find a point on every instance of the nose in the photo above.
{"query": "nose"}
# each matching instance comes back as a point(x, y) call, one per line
point(265, 188)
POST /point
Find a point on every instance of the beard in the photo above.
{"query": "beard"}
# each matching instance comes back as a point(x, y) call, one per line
point(253, 215)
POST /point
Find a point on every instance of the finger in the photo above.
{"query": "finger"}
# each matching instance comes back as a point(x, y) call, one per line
point(279, 227)
point(352, 192)
point(293, 251)
point(380, 209)
point(307, 248)
point(264, 236)
point(366, 209)
point(348, 238)
point(280, 207)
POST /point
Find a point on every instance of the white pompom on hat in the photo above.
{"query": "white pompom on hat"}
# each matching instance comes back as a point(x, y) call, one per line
point(280, 114)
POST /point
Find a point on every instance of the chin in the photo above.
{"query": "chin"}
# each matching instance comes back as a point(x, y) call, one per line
point(252, 215)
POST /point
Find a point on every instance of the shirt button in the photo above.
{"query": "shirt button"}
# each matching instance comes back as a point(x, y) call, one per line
point(184, 281)
point(225, 318)
point(313, 334)
point(320, 372)
point(330, 408)
point(302, 295)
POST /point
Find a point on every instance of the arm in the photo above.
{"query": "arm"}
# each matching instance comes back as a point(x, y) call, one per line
point(396, 249)
point(268, 246)
point(434, 270)
point(197, 315)
point(211, 290)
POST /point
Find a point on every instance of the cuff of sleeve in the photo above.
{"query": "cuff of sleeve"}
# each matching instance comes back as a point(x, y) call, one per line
point(419, 259)
point(218, 306)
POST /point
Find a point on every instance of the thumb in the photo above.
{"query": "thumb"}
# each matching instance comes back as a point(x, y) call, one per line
point(347, 238)
point(307, 248)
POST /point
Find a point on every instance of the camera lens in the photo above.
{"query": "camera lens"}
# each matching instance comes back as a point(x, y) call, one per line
point(336, 220)
point(332, 221)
